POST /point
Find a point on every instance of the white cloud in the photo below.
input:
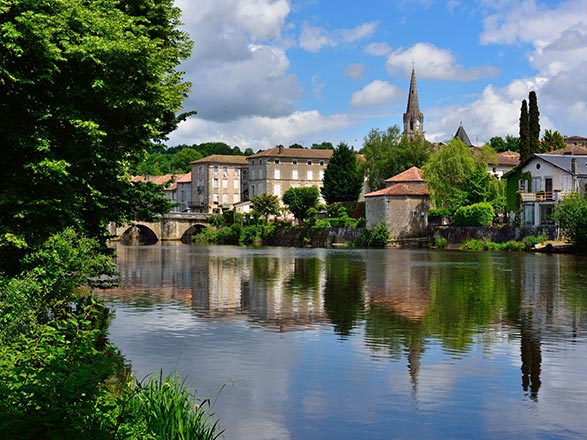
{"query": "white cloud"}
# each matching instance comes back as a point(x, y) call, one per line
point(315, 38)
point(376, 93)
point(558, 38)
point(258, 132)
point(434, 63)
point(380, 49)
point(360, 32)
point(495, 113)
point(355, 71)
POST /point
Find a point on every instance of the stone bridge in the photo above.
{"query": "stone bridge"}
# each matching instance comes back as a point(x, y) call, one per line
point(172, 226)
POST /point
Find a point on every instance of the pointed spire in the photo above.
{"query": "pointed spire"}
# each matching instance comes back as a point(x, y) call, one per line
point(413, 117)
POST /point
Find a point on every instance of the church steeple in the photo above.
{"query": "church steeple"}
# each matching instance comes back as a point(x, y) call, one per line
point(413, 117)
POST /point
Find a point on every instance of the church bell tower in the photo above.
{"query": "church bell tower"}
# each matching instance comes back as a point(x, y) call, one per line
point(413, 117)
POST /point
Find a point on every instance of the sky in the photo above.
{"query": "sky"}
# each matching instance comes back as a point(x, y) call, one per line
point(279, 72)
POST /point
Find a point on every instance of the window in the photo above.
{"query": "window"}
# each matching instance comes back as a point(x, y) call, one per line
point(536, 184)
point(235, 184)
point(277, 190)
point(215, 183)
point(225, 171)
point(215, 198)
point(200, 169)
point(295, 161)
point(309, 162)
point(224, 199)
point(310, 175)
point(294, 174)
point(253, 191)
point(276, 173)
point(215, 169)
point(252, 174)
point(236, 198)
point(276, 161)
point(321, 163)
point(236, 171)
point(252, 161)
point(321, 174)
point(225, 183)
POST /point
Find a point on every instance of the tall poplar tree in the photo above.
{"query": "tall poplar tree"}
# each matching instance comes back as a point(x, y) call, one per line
point(525, 151)
point(534, 123)
point(342, 181)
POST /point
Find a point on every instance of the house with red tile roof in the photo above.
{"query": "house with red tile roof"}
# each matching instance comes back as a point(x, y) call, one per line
point(402, 205)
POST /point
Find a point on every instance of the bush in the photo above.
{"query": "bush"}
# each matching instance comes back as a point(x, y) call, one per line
point(379, 236)
point(479, 214)
point(440, 242)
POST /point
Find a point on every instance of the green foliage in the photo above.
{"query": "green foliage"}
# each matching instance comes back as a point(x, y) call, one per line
point(343, 181)
point(379, 236)
point(498, 144)
point(440, 212)
point(388, 153)
point(534, 123)
point(525, 147)
point(300, 200)
point(165, 408)
point(446, 174)
point(571, 215)
point(478, 214)
point(552, 140)
point(86, 88)
point(440, 242)
point(512, 245)
point(266, 205)
point(323, 146)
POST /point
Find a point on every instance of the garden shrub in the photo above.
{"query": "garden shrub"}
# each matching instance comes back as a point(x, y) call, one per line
point(478, 214)
point(379, 236)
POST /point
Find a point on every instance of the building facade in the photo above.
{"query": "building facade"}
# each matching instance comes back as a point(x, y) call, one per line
point(402, 205)
point(218, 183)
point(275, 170)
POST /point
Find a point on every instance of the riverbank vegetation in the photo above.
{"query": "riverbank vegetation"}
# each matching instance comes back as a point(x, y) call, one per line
point(511, 245)
point(87, 89)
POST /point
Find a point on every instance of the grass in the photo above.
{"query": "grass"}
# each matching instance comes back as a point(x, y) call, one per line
point(513, 245)
point(164, 408)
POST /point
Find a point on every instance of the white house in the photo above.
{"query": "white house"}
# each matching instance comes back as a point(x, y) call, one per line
point(552, 176)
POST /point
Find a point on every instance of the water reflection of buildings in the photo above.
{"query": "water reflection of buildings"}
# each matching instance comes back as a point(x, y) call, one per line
point(402, 288)
point(268, 290)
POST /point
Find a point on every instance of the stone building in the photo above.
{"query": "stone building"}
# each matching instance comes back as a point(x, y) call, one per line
point(275, 170)
point(218, 183)
point(402, 205)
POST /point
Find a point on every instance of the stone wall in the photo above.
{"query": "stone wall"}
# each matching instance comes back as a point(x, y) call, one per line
point(497, 234)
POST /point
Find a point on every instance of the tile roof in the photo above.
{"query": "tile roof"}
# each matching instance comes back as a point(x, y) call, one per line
point(413, 174)
point(223, 159)
point(571, 150)
point(402, 189)
point(302, 153)
point(185, 178)
point(508, 158)
point(158, 180)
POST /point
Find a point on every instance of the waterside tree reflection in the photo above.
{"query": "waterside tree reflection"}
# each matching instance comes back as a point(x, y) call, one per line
point(401, 300)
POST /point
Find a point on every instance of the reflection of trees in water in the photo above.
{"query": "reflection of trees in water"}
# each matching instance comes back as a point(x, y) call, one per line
point(305, 277)
point(531, 356)
point(344, 291)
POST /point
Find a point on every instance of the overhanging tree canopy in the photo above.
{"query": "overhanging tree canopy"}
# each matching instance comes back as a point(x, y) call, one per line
point(86, 87)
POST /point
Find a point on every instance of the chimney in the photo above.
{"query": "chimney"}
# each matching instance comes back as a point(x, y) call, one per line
point(280, 148)
point(574, 165)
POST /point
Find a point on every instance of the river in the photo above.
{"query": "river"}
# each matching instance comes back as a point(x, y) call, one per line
point(362, 344)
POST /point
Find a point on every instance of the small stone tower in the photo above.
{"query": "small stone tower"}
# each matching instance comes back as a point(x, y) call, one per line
point(413, 117)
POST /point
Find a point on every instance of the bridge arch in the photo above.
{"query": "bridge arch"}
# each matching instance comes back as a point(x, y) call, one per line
point(192, 230)
point(139, 234)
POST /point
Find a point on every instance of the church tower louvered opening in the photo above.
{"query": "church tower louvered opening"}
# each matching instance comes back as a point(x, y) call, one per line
point(413, 117)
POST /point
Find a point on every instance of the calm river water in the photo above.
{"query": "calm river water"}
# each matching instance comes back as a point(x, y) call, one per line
point(363, 344)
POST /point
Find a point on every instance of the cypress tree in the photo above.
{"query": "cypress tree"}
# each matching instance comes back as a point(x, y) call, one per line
point(534, 123)
point(525, 151)
point(342, 179)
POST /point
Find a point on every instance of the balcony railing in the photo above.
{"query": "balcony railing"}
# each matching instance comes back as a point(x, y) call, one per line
point(544, 196)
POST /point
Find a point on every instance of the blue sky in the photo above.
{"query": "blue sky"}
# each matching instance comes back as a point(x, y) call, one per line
point(269, 72)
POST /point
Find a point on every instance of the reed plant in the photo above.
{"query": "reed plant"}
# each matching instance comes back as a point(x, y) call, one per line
point(165, 408)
